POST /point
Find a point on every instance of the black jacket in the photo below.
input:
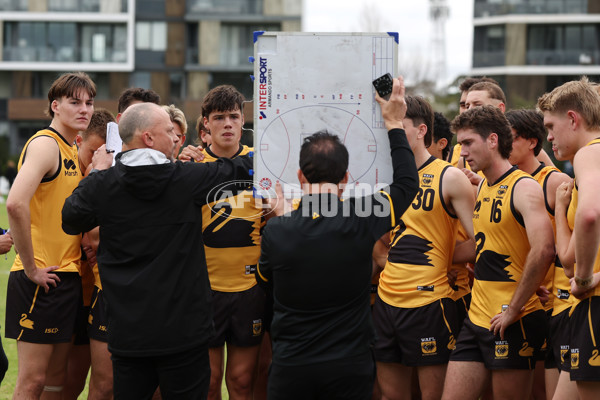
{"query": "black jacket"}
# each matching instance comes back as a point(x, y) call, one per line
point(317, 263)
point(151, 255)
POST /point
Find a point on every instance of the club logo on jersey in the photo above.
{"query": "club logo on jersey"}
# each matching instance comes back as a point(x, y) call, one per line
point(526, 350)
point(256, 327)
point(563, 294)
point(574, 358)
point(427, 179)
point(501, 349)
point(25, 322)
point(451, 342)
point(564, 352)
point(428, 346)
point(502, 191)
point(250, 269)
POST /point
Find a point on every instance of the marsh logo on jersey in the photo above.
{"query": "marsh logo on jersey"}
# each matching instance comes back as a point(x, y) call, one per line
point(574, 358)
point(256, 327)
point(70, 167)
point(564, 352)
point(427, 179)
point(502, 191)
point(428, 346)
point(501, 349)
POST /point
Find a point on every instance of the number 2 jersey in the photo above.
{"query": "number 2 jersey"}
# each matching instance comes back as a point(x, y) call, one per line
point(422, 245)
point(502, 248)
point(231, 224)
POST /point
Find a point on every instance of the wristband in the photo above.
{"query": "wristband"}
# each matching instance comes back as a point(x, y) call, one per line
point(584, 282)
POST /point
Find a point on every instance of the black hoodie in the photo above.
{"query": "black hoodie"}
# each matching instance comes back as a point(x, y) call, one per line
point(151, 255)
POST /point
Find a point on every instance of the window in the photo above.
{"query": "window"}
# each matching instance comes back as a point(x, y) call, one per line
point(151, 36)
point(237, 42)
point(568, 44)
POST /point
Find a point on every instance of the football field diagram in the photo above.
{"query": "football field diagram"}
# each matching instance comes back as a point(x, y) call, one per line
point(305, 83)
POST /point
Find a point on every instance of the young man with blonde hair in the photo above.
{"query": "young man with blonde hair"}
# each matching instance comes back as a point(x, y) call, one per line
point(572, 119)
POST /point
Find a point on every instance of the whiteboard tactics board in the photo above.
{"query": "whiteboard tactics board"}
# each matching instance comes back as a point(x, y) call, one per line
point(308, 82)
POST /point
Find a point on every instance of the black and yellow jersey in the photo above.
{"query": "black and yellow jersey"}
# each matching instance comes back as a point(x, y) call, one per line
point(51, 245)
point(231, 225)
point(555, 280)
point(422, 245)
point(502, 248)
point(571, 220)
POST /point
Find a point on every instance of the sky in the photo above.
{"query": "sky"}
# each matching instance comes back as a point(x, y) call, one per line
point(410, 18)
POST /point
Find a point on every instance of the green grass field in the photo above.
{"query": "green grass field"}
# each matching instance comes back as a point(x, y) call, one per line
point(10, 347)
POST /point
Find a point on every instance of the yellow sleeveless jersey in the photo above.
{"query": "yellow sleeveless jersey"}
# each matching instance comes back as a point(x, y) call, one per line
point(231, 225)
point(51, 245)
point(502, 247)
point(555, 280)
point(422, 245)
point(571, 220)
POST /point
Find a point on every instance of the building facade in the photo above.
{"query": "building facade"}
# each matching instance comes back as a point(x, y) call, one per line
point(532, 46)
point(179, 48)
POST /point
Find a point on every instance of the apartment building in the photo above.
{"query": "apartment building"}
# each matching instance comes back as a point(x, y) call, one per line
point(532, 46)
point(179, 48)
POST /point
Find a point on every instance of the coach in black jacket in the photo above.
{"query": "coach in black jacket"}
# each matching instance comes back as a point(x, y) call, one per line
point(151, 258)
point(317, 263)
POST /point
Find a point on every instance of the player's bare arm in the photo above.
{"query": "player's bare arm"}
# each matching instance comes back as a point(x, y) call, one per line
point(41, 161)
point(586, 165)
point(554, 181)
point(565, 241)
point(458, 194)
point(529, 203)
point(380, 253)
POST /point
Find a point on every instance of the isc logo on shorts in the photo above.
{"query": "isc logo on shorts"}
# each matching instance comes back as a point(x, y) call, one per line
point(428, 346)
point(256, 327)
point(501, 349)
point(51, 330)
point(574, 358)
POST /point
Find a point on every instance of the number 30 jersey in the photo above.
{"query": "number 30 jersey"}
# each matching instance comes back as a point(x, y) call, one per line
point(502, 248)
point(422, 245)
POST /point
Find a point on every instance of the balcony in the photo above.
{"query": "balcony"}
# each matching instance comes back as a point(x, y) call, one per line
point(563, 57)
point(64, 54)
point(224, 6)
point(487, 8)
point(104, 6)
point(489, 58)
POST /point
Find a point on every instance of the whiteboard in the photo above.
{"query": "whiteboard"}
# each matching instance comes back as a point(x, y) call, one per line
point(309, 82)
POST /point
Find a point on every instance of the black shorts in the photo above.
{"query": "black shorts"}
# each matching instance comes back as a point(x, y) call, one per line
point(348, 379)
point(97, 324)
point(585, 340)
point(238, 317)
point(415, 336)
point(34, 316)
point(462, 310)
point(520, 348)
point(559, 355)
point(81, 336)
point(184, 375)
